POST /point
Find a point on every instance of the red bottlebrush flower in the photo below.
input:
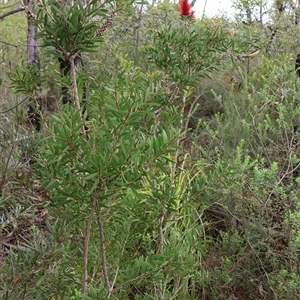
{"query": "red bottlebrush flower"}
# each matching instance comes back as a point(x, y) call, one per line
point(185, 9)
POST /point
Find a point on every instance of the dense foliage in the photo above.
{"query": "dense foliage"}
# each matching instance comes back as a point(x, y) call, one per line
point(172, 173)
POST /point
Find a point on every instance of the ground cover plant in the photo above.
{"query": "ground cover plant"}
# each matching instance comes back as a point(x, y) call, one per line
point(149, 154)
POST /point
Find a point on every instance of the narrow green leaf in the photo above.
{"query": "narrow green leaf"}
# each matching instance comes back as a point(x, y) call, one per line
point(52, 184)
point(92, 292)
point(90, 176)
point(85, 297)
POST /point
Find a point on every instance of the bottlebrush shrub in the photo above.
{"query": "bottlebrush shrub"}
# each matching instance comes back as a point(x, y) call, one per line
point(115, 142)
point(98, 179)
point(186, 50)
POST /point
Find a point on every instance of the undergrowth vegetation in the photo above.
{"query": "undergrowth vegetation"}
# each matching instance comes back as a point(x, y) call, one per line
point(174, 171)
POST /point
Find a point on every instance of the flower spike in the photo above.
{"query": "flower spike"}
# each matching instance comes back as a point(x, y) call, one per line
point(185, 9)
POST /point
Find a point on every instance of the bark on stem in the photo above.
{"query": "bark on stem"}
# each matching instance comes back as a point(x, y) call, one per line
point(86, 249)
point(103, 251)
point(11, 12)
point(34, 115)
point(75, 89)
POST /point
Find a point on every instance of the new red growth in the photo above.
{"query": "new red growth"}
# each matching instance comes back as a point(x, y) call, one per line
point(185, 9)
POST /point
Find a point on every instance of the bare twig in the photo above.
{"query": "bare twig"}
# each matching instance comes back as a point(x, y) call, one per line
point(118, 268)
point(86, 245)
point(176, 155)
point(160, 247)
point(103, 251)
point(11, 12)
point(13, 246)
point(114, 282)
point(75, 88)
point(13, 45)
point(191, 111)
point(160, 231)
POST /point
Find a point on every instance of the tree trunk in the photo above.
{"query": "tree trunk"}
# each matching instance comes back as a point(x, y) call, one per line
point(297, 12)
point(34, 65)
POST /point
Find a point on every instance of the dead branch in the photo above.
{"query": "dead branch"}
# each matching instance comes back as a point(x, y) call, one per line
point(13, 45)
point(11, 12)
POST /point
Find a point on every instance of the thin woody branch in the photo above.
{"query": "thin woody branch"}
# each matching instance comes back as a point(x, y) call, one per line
point(11, 12)
point(103, 253)
point(13, 45)
point(30, 15)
